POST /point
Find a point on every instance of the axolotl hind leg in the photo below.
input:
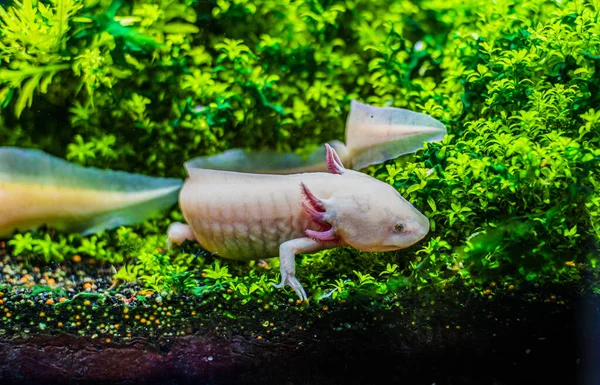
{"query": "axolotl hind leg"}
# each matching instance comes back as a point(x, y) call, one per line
point(178, 233)
point(287, 254)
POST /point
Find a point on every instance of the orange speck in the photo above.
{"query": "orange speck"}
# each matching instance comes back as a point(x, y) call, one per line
point(570, 263)
point(108, 340)
point(49, 301)
point(137, 316)
point(78, 323)
point(126, 316)
point(77, 316)
point(42, 314)
point(511, 287)
point(299, 327)
point(151, 318)
point(143, 320)
point(60, 325)
point(193, 313)
point(116, 326)
point(51, 281)
point(125, 310)
point(1, 301)
point(487, 292)
point(76, 258)
point(447, 326)
point(553, 297)
point(259, 338)
point(102, 326)
point(62, 299)
point(325, 308)
point(87, 286)
point(271, 324)
point(8, 315)
point(157, 322)
point(86, 303)
point(1, 294)
point(25, 278)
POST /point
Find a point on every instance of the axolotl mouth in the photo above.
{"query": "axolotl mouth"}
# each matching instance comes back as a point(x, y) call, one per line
point(386, 248)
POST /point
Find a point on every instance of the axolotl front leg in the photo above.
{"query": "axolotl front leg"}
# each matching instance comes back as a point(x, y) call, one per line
point(287, 257)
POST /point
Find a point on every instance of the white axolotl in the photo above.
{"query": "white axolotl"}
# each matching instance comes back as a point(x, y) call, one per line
point(238, 215)
point(251, 216)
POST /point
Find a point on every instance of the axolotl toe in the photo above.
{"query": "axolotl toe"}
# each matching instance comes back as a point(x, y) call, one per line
point(252, 216)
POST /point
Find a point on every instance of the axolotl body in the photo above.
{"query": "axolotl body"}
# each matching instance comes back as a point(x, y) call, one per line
point(252, 216)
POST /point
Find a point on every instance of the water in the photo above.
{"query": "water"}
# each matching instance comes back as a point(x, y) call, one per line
point(448, 235)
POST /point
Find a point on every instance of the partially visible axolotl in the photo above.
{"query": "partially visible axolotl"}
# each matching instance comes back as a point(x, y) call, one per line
point(251, 216)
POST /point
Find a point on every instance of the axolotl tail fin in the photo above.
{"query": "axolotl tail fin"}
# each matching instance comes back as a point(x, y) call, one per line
point(39, 189)
point(377, 134)
point(267, 161)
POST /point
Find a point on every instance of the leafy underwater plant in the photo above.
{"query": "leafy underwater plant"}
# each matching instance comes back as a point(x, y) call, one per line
point(512, 193)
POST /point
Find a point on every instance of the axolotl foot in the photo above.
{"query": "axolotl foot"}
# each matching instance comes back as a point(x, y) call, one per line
point(287, 253)
point(178, 233)
point(293, 282)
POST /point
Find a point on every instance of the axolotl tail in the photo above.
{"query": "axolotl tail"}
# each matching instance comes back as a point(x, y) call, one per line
point(39, 189)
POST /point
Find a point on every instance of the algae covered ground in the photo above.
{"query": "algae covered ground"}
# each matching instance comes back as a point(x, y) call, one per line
point(72, 324)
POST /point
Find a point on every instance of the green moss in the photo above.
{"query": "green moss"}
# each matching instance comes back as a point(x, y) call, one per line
point(512, 192)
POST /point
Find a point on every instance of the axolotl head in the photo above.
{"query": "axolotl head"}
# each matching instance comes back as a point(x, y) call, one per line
point(363, 212)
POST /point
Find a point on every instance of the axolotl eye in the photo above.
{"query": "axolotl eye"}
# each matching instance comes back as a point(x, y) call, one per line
point(399, 228)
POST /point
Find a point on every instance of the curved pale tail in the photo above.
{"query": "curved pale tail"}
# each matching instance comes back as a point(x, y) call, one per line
point(267, 161)
point(377, 134)
point(373, 135)
point(38, 189)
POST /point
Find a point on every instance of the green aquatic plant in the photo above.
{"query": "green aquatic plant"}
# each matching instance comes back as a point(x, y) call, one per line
point(519, 165)
point(512, 192)
point(35, 35)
